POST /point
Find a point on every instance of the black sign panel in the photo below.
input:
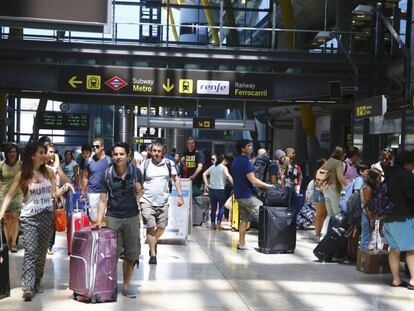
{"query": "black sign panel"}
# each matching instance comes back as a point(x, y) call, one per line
point(204, 123)
point(164, 82)
point(65, 121)
point(371, 107)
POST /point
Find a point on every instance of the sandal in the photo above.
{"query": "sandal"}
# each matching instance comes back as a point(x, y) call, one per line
point(410, 287)
point(13, 249)
point(402, 284)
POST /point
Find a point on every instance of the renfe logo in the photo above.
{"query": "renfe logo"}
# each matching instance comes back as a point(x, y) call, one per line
point(213, 87)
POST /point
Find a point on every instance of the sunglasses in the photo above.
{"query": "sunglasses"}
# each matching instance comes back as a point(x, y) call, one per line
point(96, 146)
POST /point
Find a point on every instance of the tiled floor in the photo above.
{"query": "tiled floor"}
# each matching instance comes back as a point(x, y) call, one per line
point(210, 274)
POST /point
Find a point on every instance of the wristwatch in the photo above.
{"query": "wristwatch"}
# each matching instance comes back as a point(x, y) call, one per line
point(180, 194)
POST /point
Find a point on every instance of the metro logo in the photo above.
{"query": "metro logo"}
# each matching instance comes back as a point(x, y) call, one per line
point(213, 87)
point(116, 83)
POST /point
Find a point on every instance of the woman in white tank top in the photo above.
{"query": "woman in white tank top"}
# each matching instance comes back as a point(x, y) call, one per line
point(36, 218)
point(218, 173)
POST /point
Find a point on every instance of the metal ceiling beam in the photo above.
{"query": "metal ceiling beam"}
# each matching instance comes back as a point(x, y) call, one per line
point(291, 59)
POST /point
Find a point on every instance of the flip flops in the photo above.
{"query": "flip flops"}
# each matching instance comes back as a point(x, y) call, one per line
point(402, 284)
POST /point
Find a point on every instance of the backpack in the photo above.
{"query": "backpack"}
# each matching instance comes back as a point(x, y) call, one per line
point(168, 163)
point(348, 191)
point(354, 208)
point(261, 169)
point(379, 205)
point(131, 170)
point(322, 178)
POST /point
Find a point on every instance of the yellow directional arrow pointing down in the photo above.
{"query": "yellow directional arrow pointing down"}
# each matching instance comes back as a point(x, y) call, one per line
point(168, 88)
point(73, 82)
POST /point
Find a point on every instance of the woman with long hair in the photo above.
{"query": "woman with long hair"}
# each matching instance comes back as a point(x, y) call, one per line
point(218, 173)
point(8, 169)
point(59, 174)
point(38, 185)
point(336, 182)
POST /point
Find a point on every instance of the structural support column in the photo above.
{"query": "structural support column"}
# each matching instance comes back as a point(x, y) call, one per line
point(124, 124)
point(3, 116)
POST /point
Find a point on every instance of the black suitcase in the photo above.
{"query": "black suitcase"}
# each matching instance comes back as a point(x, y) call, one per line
point(4, 268)
point(278, 196)
point(277, 230)
point(330, 244)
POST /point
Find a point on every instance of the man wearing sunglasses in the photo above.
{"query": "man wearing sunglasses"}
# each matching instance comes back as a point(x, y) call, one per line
point(94, 168)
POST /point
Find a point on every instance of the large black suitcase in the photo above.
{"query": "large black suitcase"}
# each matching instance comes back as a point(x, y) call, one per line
point(335, 239)
point(278, 196)
point(4, 268)
point(330, 244)
point(277, 230)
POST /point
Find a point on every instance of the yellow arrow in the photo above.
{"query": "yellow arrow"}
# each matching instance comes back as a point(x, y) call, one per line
point(73, 82)
point(168, 88)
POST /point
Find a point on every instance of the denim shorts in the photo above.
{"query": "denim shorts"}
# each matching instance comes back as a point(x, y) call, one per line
point(400, 234)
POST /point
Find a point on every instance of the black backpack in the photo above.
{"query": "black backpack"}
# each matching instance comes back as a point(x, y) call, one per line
point(261, 169)
point(131, 170)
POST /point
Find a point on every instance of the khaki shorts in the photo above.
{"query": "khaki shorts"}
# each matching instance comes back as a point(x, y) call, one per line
point(249, 208)
point(154, 216)
point(129, 243)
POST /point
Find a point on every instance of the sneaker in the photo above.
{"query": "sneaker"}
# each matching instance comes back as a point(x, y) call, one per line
point(242, 247)
point(27, 295)
point(316, 239)
point(49, 251)
point(39, 289)
point(153, 260)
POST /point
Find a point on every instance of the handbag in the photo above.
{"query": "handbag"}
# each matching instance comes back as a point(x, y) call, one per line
point(229, 202)
point(60, 220)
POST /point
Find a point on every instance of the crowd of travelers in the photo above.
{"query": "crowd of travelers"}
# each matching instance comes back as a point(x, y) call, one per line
point(120, 187)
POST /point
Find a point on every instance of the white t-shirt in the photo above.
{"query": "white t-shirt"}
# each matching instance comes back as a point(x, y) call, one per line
point(39, 197)
point(156, 190)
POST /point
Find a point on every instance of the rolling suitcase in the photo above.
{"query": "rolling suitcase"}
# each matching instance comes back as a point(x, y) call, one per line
point(93, 265)
point(335, 239)
point(235, 221)
point(277, 230)
point(4, 268)
point(198, 210)
point(77, 216)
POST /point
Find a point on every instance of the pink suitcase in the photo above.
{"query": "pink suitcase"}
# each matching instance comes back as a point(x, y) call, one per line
point(78, 219)
point(93, 265)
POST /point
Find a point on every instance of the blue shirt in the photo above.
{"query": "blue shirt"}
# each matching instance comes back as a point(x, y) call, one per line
point(96, 169)
point(242, 187)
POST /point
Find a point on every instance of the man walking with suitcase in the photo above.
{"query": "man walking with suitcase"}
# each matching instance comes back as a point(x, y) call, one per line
point(157, 175)
point(121, 186)
point(244, 186)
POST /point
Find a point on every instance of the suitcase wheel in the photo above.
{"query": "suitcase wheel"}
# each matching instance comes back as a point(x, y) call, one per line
point(93, 299)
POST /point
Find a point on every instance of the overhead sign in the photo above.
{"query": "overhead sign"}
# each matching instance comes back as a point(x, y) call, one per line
point(65, 121)
point(164, 82)
point(371, 107)
point(204, 123)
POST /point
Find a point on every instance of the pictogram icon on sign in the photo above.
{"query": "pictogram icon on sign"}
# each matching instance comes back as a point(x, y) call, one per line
point(73, 82)
point(186, 86)
point(93, 82)
point(116, 83)
point(169, 87)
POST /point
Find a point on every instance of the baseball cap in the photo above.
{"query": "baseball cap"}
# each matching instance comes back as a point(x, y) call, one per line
point(279, 153)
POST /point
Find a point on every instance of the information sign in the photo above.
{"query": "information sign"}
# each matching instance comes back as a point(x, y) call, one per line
point(178, 216)
point(65, 121)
